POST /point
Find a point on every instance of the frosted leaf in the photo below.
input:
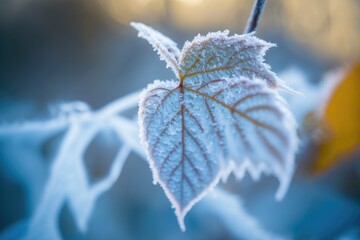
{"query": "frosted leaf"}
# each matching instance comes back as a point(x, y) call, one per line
point(165, 47)
point(216, 119)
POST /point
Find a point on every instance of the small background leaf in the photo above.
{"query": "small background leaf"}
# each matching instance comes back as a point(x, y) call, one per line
point(342, 121)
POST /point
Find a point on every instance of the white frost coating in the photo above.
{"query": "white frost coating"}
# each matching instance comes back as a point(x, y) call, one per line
point(74, 187)
point(147, 133)
point(165, 47)
point(221, 117)
point(218, 55)
point(190, 136)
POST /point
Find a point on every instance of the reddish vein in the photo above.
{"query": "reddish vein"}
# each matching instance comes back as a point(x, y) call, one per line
point(210, 83)
point(182, 102)
point(195, 119)
point(172, 120)
point(225, 67)
point(259, 74)
point(232, 109)
point(206, 158)
point(194, 168)
point(189, 183)
point(218, 134)
point(266, 108)
point(270, 147)
point(226, 88)
point(160, 103)
point(243, 138)
point(249, 96)
point(168, 156)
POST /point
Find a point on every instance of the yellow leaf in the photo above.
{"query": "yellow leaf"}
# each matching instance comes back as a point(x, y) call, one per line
point(342, 119)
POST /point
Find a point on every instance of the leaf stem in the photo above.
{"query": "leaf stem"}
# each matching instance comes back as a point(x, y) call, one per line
point(255, 16)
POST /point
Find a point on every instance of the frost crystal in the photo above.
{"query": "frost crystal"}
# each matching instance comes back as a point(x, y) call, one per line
point(223, 115)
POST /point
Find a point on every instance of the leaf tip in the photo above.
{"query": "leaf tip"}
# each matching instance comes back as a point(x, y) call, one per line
point(285, 176)
point(180, 218)
point(290, 90)
point(283, 187)
point(135, 24)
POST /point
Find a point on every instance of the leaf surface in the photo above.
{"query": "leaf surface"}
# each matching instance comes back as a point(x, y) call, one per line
point(217, 55)
point(216, 120)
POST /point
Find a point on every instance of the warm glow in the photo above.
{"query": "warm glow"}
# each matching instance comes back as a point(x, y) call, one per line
point(125, 11)
point(191, 2)
point(330, 28)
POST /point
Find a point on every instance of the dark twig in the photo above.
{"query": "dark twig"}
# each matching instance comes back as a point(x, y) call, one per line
point(255, 16)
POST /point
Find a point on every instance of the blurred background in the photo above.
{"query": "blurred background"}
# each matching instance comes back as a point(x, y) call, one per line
point(58, 51)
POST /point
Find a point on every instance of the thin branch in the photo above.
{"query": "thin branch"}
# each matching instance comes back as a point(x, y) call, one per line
point(120, 105)
point(112, 109)
point(255, 16)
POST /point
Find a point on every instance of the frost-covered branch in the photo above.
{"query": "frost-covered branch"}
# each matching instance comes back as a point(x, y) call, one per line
point(68, 181)
point(61, 122)
point(255, 16)
point(118, 106)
